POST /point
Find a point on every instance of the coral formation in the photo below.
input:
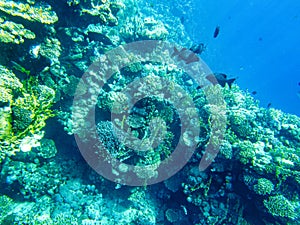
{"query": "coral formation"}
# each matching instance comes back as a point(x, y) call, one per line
point(24, 110)
point(44, 180)
point(263, 186)
point(11, 32)
point(280, 206)
point(105, 10)
point(38, 12)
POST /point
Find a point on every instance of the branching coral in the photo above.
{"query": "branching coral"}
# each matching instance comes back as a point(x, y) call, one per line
point(280, 206)
point(104, 9)
point(24, 110)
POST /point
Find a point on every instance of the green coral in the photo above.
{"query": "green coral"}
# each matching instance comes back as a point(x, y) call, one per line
point(246, 151)
point(263, 186)
point(11, 32)
point(24, 110)
point(36, 13)
point(280, 206)
point(9, 83)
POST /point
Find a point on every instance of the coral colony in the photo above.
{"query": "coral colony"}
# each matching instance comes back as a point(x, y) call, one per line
point(46, 47)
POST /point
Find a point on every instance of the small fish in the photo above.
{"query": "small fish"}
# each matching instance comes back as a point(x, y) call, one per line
point(198, 48)
point(217, 31)
point(269, 105)
point(254, 92)
point(299, 84)
point(220, 78)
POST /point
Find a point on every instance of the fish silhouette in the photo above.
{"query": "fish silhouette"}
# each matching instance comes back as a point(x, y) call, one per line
point(198, 48)
point(220, 78)
point(217, 31)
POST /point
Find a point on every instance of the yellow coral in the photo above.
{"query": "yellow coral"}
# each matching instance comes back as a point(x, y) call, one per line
point(11, 32)
point(37, 13)
point(32, 98)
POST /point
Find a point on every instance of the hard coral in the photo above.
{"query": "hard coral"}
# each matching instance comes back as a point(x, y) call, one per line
point(38, 13)
point(104, 9)
point(11, 32)
point(280, 206)
point(24, 110)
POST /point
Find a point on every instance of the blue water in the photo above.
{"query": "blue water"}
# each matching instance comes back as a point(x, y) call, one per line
point(258, 43)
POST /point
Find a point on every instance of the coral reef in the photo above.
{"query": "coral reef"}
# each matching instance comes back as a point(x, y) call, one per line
point(280, 206)
point(43, 178)
point(105, 10)
point(38, 13)
point(139, 28)
point(15, 32)
point(24, 110)
point(11, 32)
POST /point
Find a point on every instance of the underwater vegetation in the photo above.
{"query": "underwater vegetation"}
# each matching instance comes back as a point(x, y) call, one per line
point(46, 48)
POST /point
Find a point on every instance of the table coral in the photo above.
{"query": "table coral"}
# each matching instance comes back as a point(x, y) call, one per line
point(11, 32)
point(35, 13)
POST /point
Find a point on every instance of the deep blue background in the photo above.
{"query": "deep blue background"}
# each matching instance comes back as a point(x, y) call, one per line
point(259, 42)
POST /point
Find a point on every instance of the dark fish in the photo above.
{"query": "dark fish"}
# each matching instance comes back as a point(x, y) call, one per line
point(200, 86)
point(254, 92)
point(299, 83)
point(220, 78)
point(182, 19)
point(269, 105)
point(217, 31)
point(94, 36)
point(198, 48)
